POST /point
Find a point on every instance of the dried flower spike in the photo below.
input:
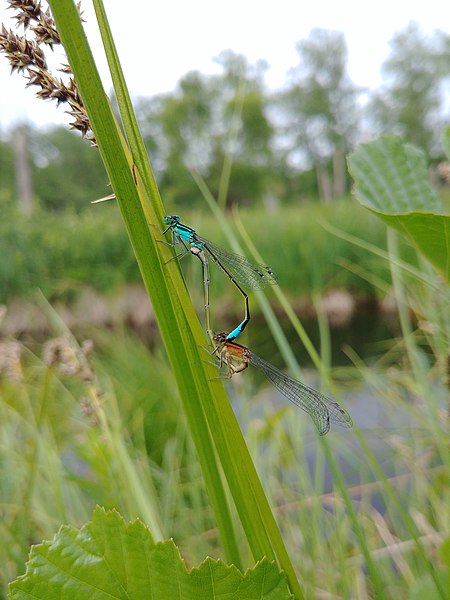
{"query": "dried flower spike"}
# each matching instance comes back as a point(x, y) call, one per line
point(45, 30)
point(27, 55)
point(28, 10)
point(10, 365)
point(21, 52)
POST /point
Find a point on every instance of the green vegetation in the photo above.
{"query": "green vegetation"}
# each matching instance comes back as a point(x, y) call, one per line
point(269, 146)
point(108, 437)
point(165, 572)
point(62, 253)
point(114, 439)
point(153, 435)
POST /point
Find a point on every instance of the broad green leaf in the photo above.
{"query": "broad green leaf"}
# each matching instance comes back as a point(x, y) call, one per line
point(108, 560)
point(391, 180)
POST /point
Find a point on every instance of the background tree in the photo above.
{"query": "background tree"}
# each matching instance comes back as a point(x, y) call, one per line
point(245, 140)
point(179, 129)
point(206, 121)
point(67, 171)
point(24, 186)
point(321, 117)
point(411, 102)
point(265, 145)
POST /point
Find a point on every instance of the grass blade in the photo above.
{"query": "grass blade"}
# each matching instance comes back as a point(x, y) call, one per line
point(208, 410)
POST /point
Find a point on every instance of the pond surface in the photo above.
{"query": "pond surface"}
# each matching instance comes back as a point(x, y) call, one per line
point(386, 425)
point(368, 334)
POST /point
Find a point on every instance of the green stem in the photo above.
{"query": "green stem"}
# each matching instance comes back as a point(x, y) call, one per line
point(212, 423)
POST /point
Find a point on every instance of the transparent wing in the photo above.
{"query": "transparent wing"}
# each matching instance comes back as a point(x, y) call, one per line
point(320, 408)
point(247, 273)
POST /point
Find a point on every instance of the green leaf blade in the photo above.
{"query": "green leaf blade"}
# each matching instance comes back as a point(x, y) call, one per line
point(212, 423)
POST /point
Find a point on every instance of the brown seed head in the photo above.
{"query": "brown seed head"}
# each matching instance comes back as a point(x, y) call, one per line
point(27, 10)
point(27, 56)
point(21, 52)
point(45, 30)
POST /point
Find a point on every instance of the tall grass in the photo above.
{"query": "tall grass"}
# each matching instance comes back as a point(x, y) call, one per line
point(219, 442)
point(340, 540)
point(64, 252)
point(66, 445)
point(59, 459)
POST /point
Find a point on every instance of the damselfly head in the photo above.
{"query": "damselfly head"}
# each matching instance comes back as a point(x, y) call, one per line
point(171, 220)
point(220, 337)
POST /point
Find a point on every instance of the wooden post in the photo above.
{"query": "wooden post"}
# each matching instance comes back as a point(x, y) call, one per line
point(23, 171)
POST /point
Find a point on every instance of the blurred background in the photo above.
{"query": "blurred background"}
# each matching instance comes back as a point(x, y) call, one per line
point(279, 98)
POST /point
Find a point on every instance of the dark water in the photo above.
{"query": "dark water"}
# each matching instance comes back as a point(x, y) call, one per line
point(368, 334)
point(379, 420)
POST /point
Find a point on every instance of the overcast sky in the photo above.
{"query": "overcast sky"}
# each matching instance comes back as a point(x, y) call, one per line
point(159, 42)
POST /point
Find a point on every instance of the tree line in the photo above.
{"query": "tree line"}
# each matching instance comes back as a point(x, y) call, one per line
point(262, 146)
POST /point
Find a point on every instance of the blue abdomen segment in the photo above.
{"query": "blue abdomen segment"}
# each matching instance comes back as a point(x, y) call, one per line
point(237, 331)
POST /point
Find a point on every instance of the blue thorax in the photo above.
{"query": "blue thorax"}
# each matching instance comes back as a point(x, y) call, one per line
point(187, 234)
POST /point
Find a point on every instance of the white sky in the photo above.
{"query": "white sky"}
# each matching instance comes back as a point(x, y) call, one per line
point(159, 42)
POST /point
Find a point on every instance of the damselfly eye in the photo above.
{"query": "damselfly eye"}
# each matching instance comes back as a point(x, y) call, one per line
point(171, 220)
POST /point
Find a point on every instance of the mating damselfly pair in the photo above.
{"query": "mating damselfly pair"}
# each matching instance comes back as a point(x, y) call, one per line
point(245, 274)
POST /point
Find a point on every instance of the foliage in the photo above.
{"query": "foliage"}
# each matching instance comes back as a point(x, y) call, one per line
point(337, 548)
point(59, 253)
point(412, 99)
point(62, 253)
point(78, 446)
point(211, 421)
point(392, 180)
point(67, 173)
point(189, 129)
point(7, 190)
point(83, 565)
point(288, 144)
point(88, 457)
point(320, 104)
